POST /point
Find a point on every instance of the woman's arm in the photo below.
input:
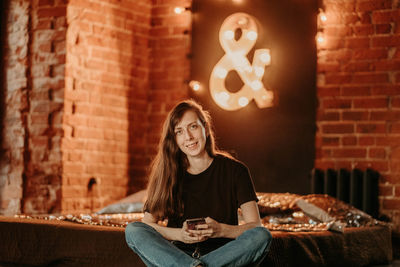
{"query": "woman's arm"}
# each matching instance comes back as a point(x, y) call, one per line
point(251, 217)
point(169, 233)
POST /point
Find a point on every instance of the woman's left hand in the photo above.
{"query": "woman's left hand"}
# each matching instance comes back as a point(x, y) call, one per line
point(214, 228)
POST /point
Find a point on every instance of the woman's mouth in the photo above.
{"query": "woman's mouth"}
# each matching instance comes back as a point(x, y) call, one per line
point(192, 145)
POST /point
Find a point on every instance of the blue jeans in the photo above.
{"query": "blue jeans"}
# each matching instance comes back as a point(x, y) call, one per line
point(250, 247)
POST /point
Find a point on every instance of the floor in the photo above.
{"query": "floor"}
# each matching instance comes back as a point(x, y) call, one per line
point(395, 263)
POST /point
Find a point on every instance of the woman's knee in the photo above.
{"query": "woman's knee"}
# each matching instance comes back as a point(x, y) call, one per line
point(135, 231)
point(261, 236)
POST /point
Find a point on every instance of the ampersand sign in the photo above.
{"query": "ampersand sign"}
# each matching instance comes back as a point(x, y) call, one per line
point(235, 59)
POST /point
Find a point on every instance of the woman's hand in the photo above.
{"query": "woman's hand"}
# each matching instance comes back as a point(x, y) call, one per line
point(192, 236)
point(214, 228)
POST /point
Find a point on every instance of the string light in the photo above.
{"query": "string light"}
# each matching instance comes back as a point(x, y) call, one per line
point(195, 85)
point(322, 16)
point(322, 19)
point(320, 38)
point(179, 10)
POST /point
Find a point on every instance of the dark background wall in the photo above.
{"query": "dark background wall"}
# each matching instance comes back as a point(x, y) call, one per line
point(276, 143)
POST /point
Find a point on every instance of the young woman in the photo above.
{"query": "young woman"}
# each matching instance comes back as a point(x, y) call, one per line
point(191, 179)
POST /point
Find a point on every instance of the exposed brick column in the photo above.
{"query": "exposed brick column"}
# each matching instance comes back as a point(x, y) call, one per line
point(358, 90)
point(105, 100)
point(16, 107)
point(43, 166)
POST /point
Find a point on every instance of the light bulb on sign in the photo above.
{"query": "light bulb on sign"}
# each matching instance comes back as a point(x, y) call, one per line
point(229, 35)
point(251, 73)
point(256, 85)
point(221, 72)
point(252, 35)
point(265, 57)
point(243, 101)
point(258, 71)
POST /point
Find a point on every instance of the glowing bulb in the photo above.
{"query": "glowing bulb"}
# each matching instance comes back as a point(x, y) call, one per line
point(265, 57)
point(222, 98)
point(256, 85)
point(243, 101)
point(320, 38)
point(195, 85)
point(322, 15)
point(252, 35)
point(221, 72)
point(229, 35)
point(179, 10)
point(243, 21)
point(259, 71)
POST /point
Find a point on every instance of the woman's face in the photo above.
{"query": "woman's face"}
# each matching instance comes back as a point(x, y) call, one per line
point(190, 135)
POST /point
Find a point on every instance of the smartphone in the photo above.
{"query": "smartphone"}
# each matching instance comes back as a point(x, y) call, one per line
point(191, 223)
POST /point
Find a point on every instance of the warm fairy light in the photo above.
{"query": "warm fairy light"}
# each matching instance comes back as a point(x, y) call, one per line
point(243, 101)
point(236, 59)
point(195, 85)
point(179, 10)
point(221, 72)
point(229, 35)
point(320, 38)
point(252, 35)
point(322, 16)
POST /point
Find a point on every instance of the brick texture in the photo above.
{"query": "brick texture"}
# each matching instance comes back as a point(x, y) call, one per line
point(106, 95)
point(88, 85)
point(16, 106)
point(358, 86)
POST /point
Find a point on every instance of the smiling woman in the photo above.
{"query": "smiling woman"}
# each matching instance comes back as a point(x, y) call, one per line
point(187, 168)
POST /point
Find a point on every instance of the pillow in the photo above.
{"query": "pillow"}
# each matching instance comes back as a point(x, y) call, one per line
point(122, 208)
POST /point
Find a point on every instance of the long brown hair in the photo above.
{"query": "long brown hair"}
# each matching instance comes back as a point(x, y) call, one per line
point(165, 180)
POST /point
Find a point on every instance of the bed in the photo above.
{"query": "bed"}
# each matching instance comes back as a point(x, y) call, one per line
point(301, 237)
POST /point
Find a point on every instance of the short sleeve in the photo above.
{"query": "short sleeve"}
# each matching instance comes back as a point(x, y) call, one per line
point(244, 186)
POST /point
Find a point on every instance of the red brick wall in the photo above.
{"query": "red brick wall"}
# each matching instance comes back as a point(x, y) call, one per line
point(83, 118)
point(42, 183)
point(34, 104)
point(170, 64)
point(126, 67)
point(105, 99)
point(358, 82)
point(16, 105)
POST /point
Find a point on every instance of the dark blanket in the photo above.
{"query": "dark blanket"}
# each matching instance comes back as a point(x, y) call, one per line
point(61, 243)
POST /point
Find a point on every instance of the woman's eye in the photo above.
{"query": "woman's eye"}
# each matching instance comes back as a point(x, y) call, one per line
point(193, 126)
point(179, 132)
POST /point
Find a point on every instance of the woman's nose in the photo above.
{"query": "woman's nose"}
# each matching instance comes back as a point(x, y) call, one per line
point(188, 135)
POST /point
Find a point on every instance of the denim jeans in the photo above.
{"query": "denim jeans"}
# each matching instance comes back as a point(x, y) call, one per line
point(155, 250)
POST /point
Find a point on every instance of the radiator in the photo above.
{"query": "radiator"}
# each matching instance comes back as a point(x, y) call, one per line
point(356, 187)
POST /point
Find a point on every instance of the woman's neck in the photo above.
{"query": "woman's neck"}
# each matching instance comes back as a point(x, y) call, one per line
point(199, 164)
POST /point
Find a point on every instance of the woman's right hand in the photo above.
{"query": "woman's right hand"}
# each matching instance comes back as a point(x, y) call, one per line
point(190, 237)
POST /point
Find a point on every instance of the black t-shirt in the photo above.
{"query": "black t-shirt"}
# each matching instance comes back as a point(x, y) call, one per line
point(217, 192)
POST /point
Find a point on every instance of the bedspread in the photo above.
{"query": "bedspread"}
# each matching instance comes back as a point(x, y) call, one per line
point(38, 242)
